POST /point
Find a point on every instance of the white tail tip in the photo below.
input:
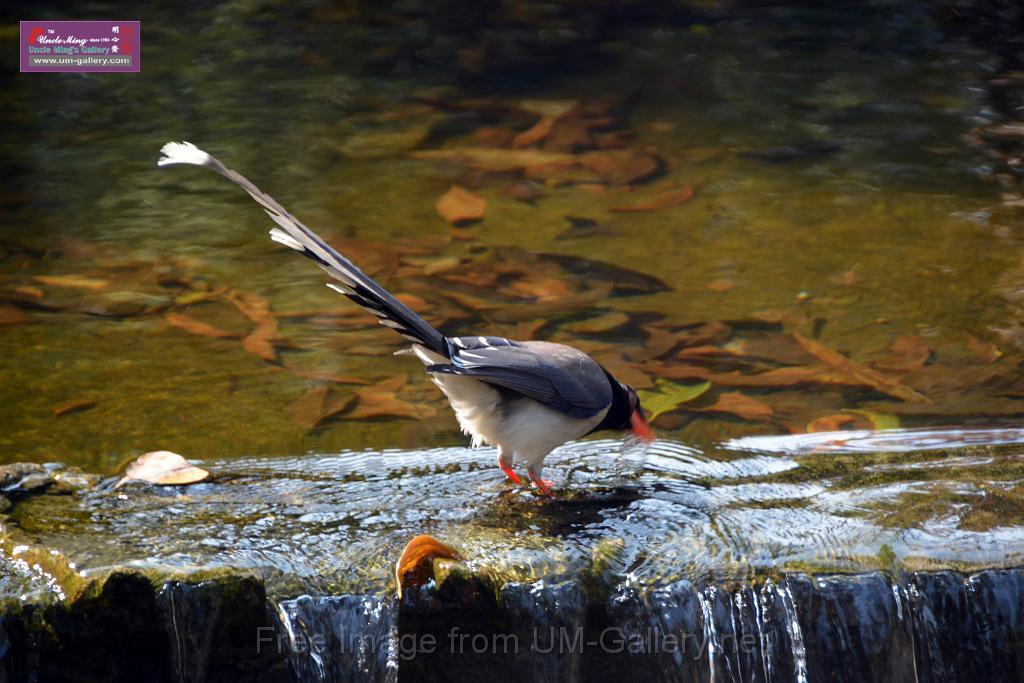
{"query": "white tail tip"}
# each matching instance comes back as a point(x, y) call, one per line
point(182, 153)
point(284, 238)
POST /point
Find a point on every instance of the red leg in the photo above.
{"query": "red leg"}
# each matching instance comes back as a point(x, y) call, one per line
point(505, 463)
point(543, 485)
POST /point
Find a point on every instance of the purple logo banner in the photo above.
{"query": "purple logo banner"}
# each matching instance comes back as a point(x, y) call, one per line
point(81, 46)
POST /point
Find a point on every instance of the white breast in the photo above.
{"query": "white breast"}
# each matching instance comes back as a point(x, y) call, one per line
point(527, 429)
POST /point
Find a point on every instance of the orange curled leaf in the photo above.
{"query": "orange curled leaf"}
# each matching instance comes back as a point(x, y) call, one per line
point(416, 565)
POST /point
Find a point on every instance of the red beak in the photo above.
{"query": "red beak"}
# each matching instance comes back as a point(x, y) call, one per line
point(640, 426)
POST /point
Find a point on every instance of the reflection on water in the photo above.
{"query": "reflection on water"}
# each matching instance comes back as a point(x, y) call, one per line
point(330, 524)
point(867, 442)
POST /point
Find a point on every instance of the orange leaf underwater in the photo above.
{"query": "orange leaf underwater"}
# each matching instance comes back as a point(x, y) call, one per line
point(459, 205)
point(661, 201)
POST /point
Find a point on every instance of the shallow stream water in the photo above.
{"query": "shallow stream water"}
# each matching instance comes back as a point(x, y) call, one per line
point(845, 207)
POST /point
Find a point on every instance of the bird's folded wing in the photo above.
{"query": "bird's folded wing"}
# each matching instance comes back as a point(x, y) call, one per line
point(578, 388)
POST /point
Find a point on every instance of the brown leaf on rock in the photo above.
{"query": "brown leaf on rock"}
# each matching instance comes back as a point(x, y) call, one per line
point(738, 404)
point(10, 315)
point(260, 342)
point(535, 134)
point(380, 401)
point(858, 372)
point(661, 201)
point(416, 565)
point(193, 326)
point(459, 205)
point(906, 353)
point(164, 468)
point(313, 408)
point(76, 406)
point(72, 282)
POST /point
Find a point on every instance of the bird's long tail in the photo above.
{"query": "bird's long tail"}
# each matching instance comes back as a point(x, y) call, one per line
point(354, 283)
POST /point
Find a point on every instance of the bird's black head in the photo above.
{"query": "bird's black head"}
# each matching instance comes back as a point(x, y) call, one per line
point(625, 412)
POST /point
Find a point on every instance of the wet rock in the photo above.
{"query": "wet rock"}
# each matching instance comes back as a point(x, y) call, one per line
point(120, 627)
point(23, 477)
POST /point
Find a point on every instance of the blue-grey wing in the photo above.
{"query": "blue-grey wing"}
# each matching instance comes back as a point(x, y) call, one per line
point(558, 376)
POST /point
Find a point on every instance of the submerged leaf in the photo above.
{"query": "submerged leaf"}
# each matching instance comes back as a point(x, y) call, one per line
point(72, 282)
point(669, 396)
point(194, 326)
point(381, 401)
point(75, 406)
point(601, 323)
point(906, 353)
point(738, 404)
point(662, 201)
point(459, 205)
point(260, 342)
point(314, 407)
point(164, 468)
point(984, 351)
point(860, 373)
point(489, 159)
point(830, 423)
point(9, 315)
point(535, 133)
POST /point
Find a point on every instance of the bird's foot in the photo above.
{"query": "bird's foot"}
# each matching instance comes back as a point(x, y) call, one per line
point(544, 486)
point(510, 473)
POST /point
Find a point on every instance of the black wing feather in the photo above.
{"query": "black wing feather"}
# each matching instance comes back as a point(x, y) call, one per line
point(557, 376)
